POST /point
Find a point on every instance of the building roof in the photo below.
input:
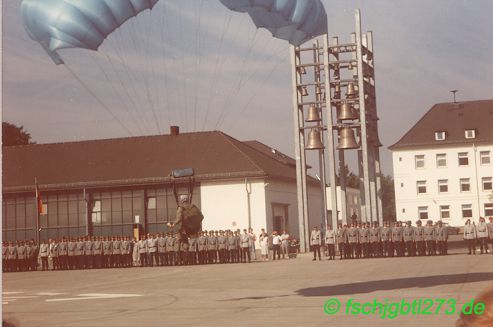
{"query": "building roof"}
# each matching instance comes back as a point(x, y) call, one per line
point(453, 119)
point(137, 160)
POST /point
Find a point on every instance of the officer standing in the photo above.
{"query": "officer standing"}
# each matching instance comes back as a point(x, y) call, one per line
point(341, 236)
point(353, 240)
point(470, 236)
point(202, 247)
point(441, 238)
point(44, 250)
point(71, 248)
point(142, 245)
point(212, 247)
point(97, 251)
point(397, 239)
point(408, 236)
point(151, 249)
point(161, 249)
point(192, 250)
point(330, 241)
point(430, 238)
point(232, 247)
point(21, 256)
point(482, 232)
point(79, 252)
point(245, 246)
point(386, 236)
point(54, 254)
point(222, 245)
point(88, 260)
point(364, 238)
point(315, 242)
point(107, 251)
point(29, 255)
point(419, 238)
point(63, 254)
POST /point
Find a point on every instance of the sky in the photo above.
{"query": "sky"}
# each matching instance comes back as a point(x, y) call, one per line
point(198, 65)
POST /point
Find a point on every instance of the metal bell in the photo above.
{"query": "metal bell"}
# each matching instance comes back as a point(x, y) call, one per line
point(347, 112)
point(314, 140)
point(313, 114)
point(351, 91)
point(346, 139)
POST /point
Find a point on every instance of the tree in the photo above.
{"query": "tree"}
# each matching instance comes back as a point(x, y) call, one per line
point(352, 180)
point(388, 198)
point(14, 135)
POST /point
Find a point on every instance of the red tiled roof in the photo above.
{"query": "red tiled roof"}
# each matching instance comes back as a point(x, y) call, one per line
point(453, 119)
point(136, 160)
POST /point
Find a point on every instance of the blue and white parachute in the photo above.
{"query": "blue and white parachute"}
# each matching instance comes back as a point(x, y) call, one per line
point(59, 24)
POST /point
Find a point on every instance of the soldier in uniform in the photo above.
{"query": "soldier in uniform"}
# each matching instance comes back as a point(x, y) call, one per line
point(441, 238)
point(430, 238)
point(170, 249)
point(353, 239)
point(29, 254)
point(408, 236)
point(127, 246)
point(232, 246)
point(183, 252)
point(315, 242)
point(375, 248)
point(192, 250)
point(482, 232)
point(202, 247)
point(79, 253)
point(34, 258)
point(397, 239)
point(386, 236)
point(44, 251)
point(21, 256)
point(71, 248)
point(330, 241)
point(221, 246)
point(54, 254)
point(245, 246)
point(63, 254)
point(364, 238)
point(151, 249)
point(142, 245)
point(161, 249)
point(419, 238)
point(4, 256)
point(212, 247)
point(341, 236)
point(107, 252)
point(490, 232)
point(470, 236)
point(88, 245)
point(178, 240)
point(97, 251)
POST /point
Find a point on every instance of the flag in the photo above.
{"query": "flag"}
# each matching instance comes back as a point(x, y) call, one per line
point(39, 202)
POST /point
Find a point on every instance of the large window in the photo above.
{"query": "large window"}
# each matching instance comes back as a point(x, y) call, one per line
point(463, 158)
point(96, 212)
point(419, 161)
point(485, 157)
point(423, 212)
point(444, 211)
point(488, 209)
point(467, 211)
point(441, 160)
point(421, 187)
point(487, 183)
point(442, 186)
point(465, 185)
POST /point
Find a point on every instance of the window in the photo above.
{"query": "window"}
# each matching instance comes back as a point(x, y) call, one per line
point(465, 185)
point(400, 158)
point(402, 184)
point(151, 203)
point(467, 211)
point(45, 208)
point(442, 185)
point(487, 183)
point(403, 210)
point(463, 159)
point(470, 133)
point(423, 212)
point(441, 160)
point(485, 157)
point(488, 209)
point(440, 136)
point(444, 212)
point(96, 212)
point(419, 161)
point(421, 187)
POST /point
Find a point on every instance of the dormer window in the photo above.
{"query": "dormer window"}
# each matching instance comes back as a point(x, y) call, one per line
point(440, 136)
point(470, 133)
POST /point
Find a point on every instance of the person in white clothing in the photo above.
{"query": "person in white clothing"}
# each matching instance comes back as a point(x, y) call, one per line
point(276, 246)
point(285, 244)
point(264, 245)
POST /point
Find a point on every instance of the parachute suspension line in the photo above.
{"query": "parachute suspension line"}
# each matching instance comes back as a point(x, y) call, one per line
point(183, 72)
point(88, 89)
point(225, 28)
point(232, 91)
point(115, 91)
point(164, 59)
point(258, 90)
point(198, 61)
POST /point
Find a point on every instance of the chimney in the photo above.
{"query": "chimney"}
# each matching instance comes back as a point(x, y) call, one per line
point(174, 130)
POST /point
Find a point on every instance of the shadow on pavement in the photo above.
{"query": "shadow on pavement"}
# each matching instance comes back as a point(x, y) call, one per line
point(392, 284)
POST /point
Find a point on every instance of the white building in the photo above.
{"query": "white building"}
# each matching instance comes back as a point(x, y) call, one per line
point(443, 166)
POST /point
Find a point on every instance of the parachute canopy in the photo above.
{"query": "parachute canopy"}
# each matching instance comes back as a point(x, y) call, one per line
point(59, 24)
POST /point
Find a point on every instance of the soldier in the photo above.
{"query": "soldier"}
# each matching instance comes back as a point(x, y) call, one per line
point(408, 237)
point(44, 250)
point(221, 246)
point(29, 254)
point(161, 249)
point(490, 231)
point(63, 254)
point(97, 252)
point(245, 246)
point(397, 239)
point(151, 249)
point(79, 253)
point(71, 249)
point(142, 244)
point(4, 256)
point(315, 242)
point(429, 231)
point(126, 252)
point(88, 260)
point(364, 238)
point(183, 252)
point(177, 249)
point(341, 236)
point(419, 238)
point(330, 241)
point(54, 254)
point(375, 248)
point(441, 238)
point(170, 249)
point(470, 236)
point(202, 247)
point(212, 247)
point(192, 250)
point(482, 232)
point(386, 236)
point(232, 247)
point(21, 256)
point(107, 252)
point(353, 240)
point(34, 258)
point(135, 252)
point(238, 242)
point(116, 252)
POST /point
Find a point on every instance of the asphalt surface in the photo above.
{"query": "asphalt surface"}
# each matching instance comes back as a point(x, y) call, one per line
point(280, 293)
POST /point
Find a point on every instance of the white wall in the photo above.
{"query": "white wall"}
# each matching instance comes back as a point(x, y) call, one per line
point(353, 202)
point(224, 205)
point(406, 175)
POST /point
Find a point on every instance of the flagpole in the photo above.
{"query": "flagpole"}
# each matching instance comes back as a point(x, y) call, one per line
point(37, 209)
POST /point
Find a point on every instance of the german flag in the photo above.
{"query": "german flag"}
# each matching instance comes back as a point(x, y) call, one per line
point(38, 200)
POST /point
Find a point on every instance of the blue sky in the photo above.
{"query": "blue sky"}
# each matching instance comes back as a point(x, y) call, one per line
point(195, 64)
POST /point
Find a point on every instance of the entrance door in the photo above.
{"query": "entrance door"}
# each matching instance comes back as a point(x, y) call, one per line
point(279, 217)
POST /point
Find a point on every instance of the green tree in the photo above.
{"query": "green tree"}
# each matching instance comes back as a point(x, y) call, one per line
point(388, 198)
point(352, 180)
point(14, 135)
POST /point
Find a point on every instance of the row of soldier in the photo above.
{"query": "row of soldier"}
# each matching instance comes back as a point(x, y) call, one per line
point(120, 251)
point(365, 240)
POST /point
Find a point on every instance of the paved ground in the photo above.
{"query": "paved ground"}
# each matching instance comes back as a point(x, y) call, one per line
point(289, 292)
